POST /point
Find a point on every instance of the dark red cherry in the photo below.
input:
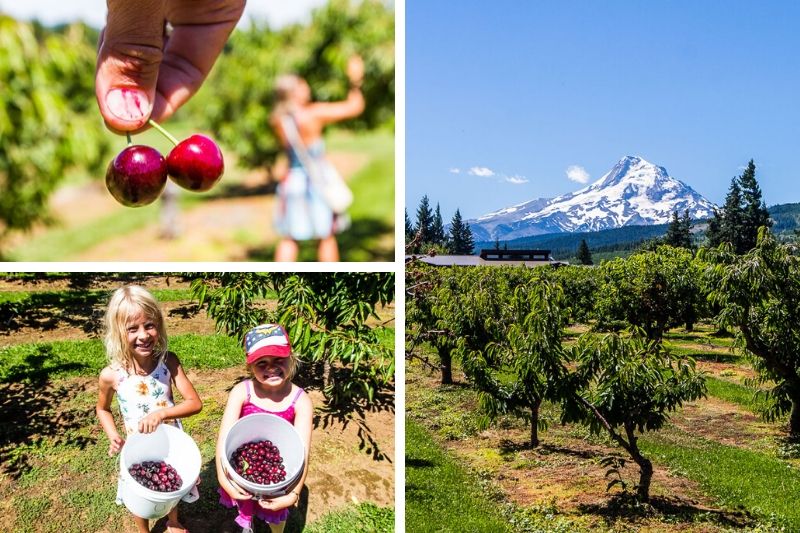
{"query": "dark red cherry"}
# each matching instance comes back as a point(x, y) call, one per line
point(136, 176)
point(196, 163)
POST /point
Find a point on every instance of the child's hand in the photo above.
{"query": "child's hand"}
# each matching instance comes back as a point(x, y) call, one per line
point(281, 502)
point(235, 491)
point(115, 445)
point(149, 423)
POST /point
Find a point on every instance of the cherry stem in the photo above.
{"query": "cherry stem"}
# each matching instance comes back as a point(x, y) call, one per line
point(163, 132)
point(128, 135)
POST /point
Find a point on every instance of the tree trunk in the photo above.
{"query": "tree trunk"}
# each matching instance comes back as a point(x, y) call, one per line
point(327, 374)
point(535, 423)
point(446, 366)
point(645, 466)
point(794, 418)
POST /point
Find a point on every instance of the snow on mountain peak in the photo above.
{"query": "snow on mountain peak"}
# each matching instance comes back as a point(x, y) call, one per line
point(633, 192)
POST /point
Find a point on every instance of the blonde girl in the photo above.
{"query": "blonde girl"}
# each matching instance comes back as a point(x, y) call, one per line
point(270, 390)
point(141, 372)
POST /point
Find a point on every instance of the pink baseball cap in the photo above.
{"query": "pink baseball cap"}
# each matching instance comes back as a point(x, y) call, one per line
point(266, 340)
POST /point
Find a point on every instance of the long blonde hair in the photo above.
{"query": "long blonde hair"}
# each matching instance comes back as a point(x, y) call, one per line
point(126, 303)
point(285, 84)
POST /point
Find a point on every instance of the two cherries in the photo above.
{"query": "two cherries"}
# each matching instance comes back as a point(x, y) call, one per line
point(139, 173)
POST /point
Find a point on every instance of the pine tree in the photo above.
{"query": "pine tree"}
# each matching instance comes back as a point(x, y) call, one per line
point(438, 235)
point(733, 217)
point(714, 230)
point(679, 231)
point(409, 229)
point(584, 255)
point(424, 223)
point(755, 211)
point(461, 240)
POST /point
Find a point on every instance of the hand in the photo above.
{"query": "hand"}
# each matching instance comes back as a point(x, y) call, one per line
point(115, 445)
point(149, 423)
point(281, 502)
point(235, 491)
point(143, 72)
point(355, 70)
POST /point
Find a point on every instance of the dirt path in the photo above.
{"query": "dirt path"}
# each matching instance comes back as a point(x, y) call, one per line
point(215, 229)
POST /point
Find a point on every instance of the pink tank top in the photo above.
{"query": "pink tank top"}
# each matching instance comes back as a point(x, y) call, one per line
point(249, 408)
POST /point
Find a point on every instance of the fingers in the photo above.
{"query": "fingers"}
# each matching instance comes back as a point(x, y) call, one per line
point(128, 62)
point(115, 446)
point(150, 423)
point(140, 73)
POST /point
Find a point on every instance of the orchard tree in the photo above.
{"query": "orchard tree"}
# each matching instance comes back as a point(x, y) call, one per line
point(653, 290)
point(48, 118)
point(624, 386)
point(325, 315)
point(759, 293)
point(579, 286)
point(515, 357)
point(238, 96)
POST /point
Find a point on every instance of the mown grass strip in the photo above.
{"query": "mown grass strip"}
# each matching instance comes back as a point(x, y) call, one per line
point(440, 496)
point(735, 393)
point(56, 298)
point(33, 362)
point(737, 478)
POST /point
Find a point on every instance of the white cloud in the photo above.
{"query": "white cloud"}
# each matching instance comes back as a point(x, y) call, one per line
point(482, 172)
point(517, 180)
point(576, 173)
point(455, 170)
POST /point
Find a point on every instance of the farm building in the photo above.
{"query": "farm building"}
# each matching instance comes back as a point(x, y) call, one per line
point(492, 257)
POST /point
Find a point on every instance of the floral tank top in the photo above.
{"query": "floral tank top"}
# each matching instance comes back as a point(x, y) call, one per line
point(139, 396)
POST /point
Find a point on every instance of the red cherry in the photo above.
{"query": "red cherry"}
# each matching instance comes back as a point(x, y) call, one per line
point(196, 163)
point(136, 176)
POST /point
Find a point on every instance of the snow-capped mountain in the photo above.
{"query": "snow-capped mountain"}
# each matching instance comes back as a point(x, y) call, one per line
point(634, 192)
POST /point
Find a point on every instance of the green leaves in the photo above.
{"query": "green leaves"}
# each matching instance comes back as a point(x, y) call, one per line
point(47, 86)
point(325, 315)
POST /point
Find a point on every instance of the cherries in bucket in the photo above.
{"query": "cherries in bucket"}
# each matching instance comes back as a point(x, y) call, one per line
point(259, 462)
point(156, 475)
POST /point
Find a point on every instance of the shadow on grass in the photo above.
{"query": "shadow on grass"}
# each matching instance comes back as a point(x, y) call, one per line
point(78, 306)
point(32, 412)
point(355, 244)
point(412, 462)
point(626, 507)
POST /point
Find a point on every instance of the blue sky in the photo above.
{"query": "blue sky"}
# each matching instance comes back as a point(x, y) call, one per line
point(507, 101)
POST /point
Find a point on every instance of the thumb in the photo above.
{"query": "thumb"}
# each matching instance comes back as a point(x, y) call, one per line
point(128, 59)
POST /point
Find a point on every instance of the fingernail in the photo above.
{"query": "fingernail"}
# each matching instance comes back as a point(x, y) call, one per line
point(128, 104)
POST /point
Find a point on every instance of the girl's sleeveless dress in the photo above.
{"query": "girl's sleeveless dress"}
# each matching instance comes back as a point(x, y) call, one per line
point(302, 213)
point(140, 395)
point(250, 508)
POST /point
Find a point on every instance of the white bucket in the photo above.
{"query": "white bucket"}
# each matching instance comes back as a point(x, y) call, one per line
point(171, 445)
point(264, 426)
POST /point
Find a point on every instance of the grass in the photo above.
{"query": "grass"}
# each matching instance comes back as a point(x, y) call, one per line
point(371, 237)
point(36, 299)
point(737, 478)
point(371, 234)
point(365, 517)
point(32, 362)
point(735, 393)
point(440, 495)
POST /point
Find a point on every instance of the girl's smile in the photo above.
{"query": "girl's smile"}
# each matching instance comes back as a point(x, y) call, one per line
point(142, 335)
point(271, 370)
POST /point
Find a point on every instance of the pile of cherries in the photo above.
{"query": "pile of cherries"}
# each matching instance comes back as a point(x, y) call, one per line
point(259, 462)
point(139, 173)
point(156, 475)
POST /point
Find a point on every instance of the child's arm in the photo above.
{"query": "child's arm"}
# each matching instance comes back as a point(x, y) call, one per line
point(103, 409)
point(190, 405)
point(303, 423)
point(232, 410)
